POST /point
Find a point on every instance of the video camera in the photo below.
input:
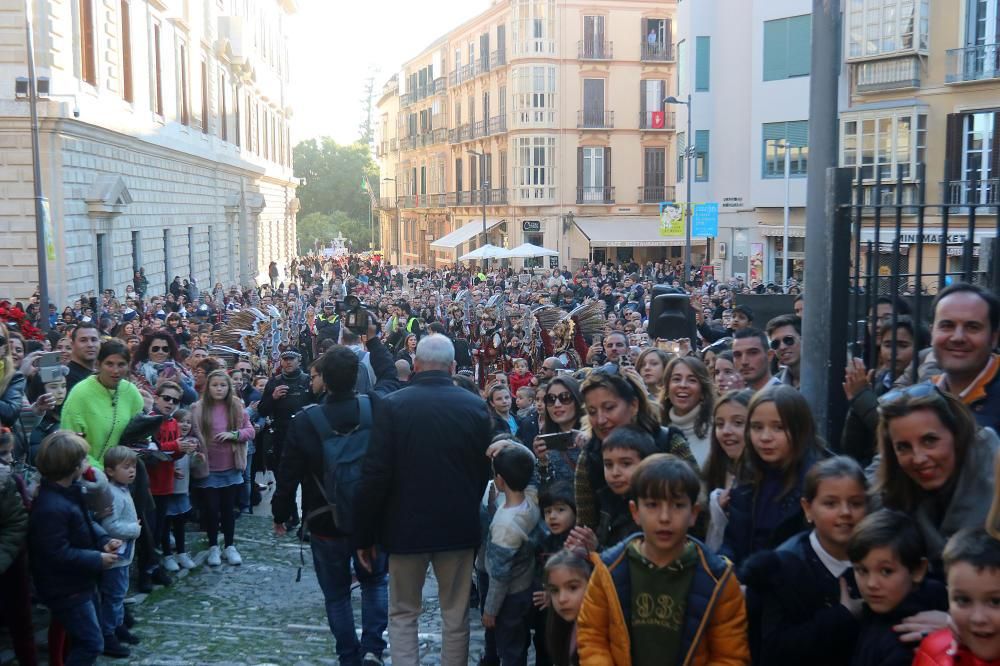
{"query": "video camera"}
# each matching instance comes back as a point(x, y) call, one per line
point(355, 316)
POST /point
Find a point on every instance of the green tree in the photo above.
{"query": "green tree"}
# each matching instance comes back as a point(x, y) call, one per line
point(333, 174)
point(323, 228)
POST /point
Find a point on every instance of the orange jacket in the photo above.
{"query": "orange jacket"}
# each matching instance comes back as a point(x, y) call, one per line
point(718, 637)
point(941, 649)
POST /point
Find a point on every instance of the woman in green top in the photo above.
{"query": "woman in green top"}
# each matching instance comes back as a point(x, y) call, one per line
point(100, 406)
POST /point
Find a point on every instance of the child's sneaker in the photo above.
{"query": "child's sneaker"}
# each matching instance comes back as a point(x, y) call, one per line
point(170, 564)
point(185, 561)
point(233, 556)
point(125, 636)
point(214, 557)
point(112, 648)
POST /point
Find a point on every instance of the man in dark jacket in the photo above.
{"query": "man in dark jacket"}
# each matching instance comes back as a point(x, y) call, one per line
point(302, 462)
point(421, 485)
point(282, 398)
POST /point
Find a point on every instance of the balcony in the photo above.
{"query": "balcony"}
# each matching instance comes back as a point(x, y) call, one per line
point(440, 85)
point(460, 133)
point(973, 192)
point(440, 135)
point(483, 65)
point(975, 63)
point(387, 203)
point(657, 52)
point(655, 194)
point(595, 195)
point(494, 197)
point(408, 143)
point(648, 122)
point(408, 201)
point(498, 58)
point(480, 128)
point(423, 201)
point(405, 100)
point(591, 49)
point(881, 75)
point(595, 119)
point(394, 145)
point(498, 125)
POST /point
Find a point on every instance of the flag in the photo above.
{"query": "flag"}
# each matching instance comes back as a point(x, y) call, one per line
point(658, 119)
point(364, 184)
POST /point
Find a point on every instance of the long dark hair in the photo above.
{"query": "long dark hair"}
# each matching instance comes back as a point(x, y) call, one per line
point(800, 429)
point(718, 464)
point(559, 632)
point(706, 408)
point(573, 387)
point(142, 351)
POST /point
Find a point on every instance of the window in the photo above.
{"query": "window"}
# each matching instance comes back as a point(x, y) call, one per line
point(158, 72)
point(657, 39)
point(702, 63)
point(593, 103)
point(878, 27)
point(775, 136)
point(88, 47)
point(654, 161)
point(534, 168)
point(204, 97)
point(593, 38)
point(184, 101)
point(534, 97)
point(126, 46)
point(593, 174)
point(223, 109)
point(533, 27)
point(681, 148)
point(701, 156)
point(886, 140)
point(458, 174)
point(972, 154)
point(503, 169)
point(787, 47)
point(651, 94)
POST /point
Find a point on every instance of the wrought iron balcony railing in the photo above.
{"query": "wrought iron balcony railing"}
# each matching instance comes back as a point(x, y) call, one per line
point(647, 121)
point(656, 193)
point(973, 63)
point(595, 195)
point(595, 119)
point(594, 49)
point(657, 52)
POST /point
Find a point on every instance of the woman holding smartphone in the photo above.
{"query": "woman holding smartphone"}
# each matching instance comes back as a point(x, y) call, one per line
point(555, 447)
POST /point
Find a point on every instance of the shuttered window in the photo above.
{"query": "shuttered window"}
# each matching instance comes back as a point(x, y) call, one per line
point(775, 135)
point(702, 63)
point(701, 155)
point(787, 47)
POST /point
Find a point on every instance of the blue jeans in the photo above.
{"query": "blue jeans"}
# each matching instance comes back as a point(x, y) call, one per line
point(84, 630)
point(332, 559)
point(244, 498)
point(114, 587)
point(512, 632)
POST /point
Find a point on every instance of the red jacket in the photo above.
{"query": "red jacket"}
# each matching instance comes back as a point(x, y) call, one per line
point(161, 475)
point(517, 381)
point(941, 649)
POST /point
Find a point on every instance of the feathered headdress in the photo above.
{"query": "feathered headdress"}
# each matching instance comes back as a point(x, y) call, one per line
point(16, 318)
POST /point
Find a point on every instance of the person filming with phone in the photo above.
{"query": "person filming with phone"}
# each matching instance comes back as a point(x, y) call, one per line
point(555, 447)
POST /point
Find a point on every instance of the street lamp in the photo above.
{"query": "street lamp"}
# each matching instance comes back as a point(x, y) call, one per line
point(40, 212)
point(399, 244)
point(689, 176)
point(483, 190)
point(784, 237)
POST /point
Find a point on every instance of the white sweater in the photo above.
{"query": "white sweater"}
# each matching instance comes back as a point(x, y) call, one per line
point(699, 445)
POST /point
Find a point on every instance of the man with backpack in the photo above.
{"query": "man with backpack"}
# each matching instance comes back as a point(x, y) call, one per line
point(324, 450)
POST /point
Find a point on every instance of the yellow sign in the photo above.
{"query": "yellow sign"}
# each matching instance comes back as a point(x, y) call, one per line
point(671, 219)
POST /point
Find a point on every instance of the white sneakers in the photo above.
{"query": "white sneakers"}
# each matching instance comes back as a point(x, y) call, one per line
point(170, 564)
point(214, 559)
point(184, 560)
point(232, 556)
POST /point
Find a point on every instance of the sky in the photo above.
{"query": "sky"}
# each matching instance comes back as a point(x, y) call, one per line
point(334, 45)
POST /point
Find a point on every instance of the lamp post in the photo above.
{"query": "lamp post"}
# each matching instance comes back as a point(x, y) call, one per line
point(483, 190)
point(399, 248)
point(40, 214)
point(689, 176)
point(784, 235)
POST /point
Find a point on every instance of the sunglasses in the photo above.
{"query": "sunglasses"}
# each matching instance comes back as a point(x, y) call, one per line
point(174, 400)
point(911, 392)
point(159, 349)
point(788, 341)
point(563, 398)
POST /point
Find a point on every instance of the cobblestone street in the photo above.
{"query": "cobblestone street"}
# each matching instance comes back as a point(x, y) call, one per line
point(253, 614)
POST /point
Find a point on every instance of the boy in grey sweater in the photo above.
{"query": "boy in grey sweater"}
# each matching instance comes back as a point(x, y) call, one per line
point(122, 523)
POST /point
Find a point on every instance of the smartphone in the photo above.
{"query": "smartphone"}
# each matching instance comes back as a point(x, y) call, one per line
point(559, 441)
point(48, 367)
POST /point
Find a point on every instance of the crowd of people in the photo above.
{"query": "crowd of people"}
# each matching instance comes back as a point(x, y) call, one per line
point(601, 494)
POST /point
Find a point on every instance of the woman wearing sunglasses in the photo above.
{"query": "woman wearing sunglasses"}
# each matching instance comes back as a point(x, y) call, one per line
point(156, 359)
point(563, 414)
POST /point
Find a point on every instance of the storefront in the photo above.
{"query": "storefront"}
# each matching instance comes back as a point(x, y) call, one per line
point(774, 236)
point(901, 259)
point(466, 237)
point(628, 238)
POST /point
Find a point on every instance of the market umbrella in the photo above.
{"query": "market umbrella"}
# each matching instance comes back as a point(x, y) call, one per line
point(486, 252)
point(527, 250)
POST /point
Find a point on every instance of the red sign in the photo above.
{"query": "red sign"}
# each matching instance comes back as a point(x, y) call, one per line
point(658, 119)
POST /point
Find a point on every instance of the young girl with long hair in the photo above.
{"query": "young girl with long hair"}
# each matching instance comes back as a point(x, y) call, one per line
point(721, 469)
point(781, 446)
point(223, 430)
point(566, 576)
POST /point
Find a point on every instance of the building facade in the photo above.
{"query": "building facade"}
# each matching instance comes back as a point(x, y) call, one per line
point(923, 88)
point(538, 121)
point(165, 142)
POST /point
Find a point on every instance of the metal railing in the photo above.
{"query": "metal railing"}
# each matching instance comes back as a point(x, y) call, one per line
point(493, 197)
point(595, 195)
point(460, 133)
point(595, 119)
point(480, 129)
point(657, 52)
point(483, 65)
point(393, 145)
point(440, 135)
point(387, 203)
point(646, 121)
point(440, 85)
point(977, 192)
point(498, 58)
point(498, 124)
point(973, 63)
point(893, 74)
point(408, 143)
point(656, 193)
point(594, 49)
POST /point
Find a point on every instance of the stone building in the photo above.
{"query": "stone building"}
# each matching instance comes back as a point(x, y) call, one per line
point(164, 137)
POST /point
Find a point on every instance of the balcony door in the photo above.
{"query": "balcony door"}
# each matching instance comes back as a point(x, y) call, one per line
point(982, 53)
point(593, 102)
point(654, 174)
point(593, 36)
point(980, 157)
point(593, 174)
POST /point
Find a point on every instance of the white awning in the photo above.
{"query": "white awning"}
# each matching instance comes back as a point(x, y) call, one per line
point(628, 231)
point(773, 230)
point(462, 234)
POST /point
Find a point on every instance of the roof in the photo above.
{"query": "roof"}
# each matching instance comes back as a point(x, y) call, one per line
point(627, 231)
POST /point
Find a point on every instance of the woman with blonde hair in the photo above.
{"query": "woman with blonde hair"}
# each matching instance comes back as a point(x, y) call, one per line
point(12, 383)
point(223, 429)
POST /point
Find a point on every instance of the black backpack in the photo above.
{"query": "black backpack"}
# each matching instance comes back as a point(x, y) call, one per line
point(343, 454)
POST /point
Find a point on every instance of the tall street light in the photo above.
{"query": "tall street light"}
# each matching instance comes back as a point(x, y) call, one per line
point(689, 176)
point(40, 212)
point(483, 190)
point(399, 245)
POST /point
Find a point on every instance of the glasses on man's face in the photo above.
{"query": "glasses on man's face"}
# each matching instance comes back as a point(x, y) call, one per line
point(787, 341)
point(158, 348)
point(563, 398)
point(172, 399)
point(911, 392)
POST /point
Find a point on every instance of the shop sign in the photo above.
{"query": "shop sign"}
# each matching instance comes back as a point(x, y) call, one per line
point(732, 202)
point(531, 226)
